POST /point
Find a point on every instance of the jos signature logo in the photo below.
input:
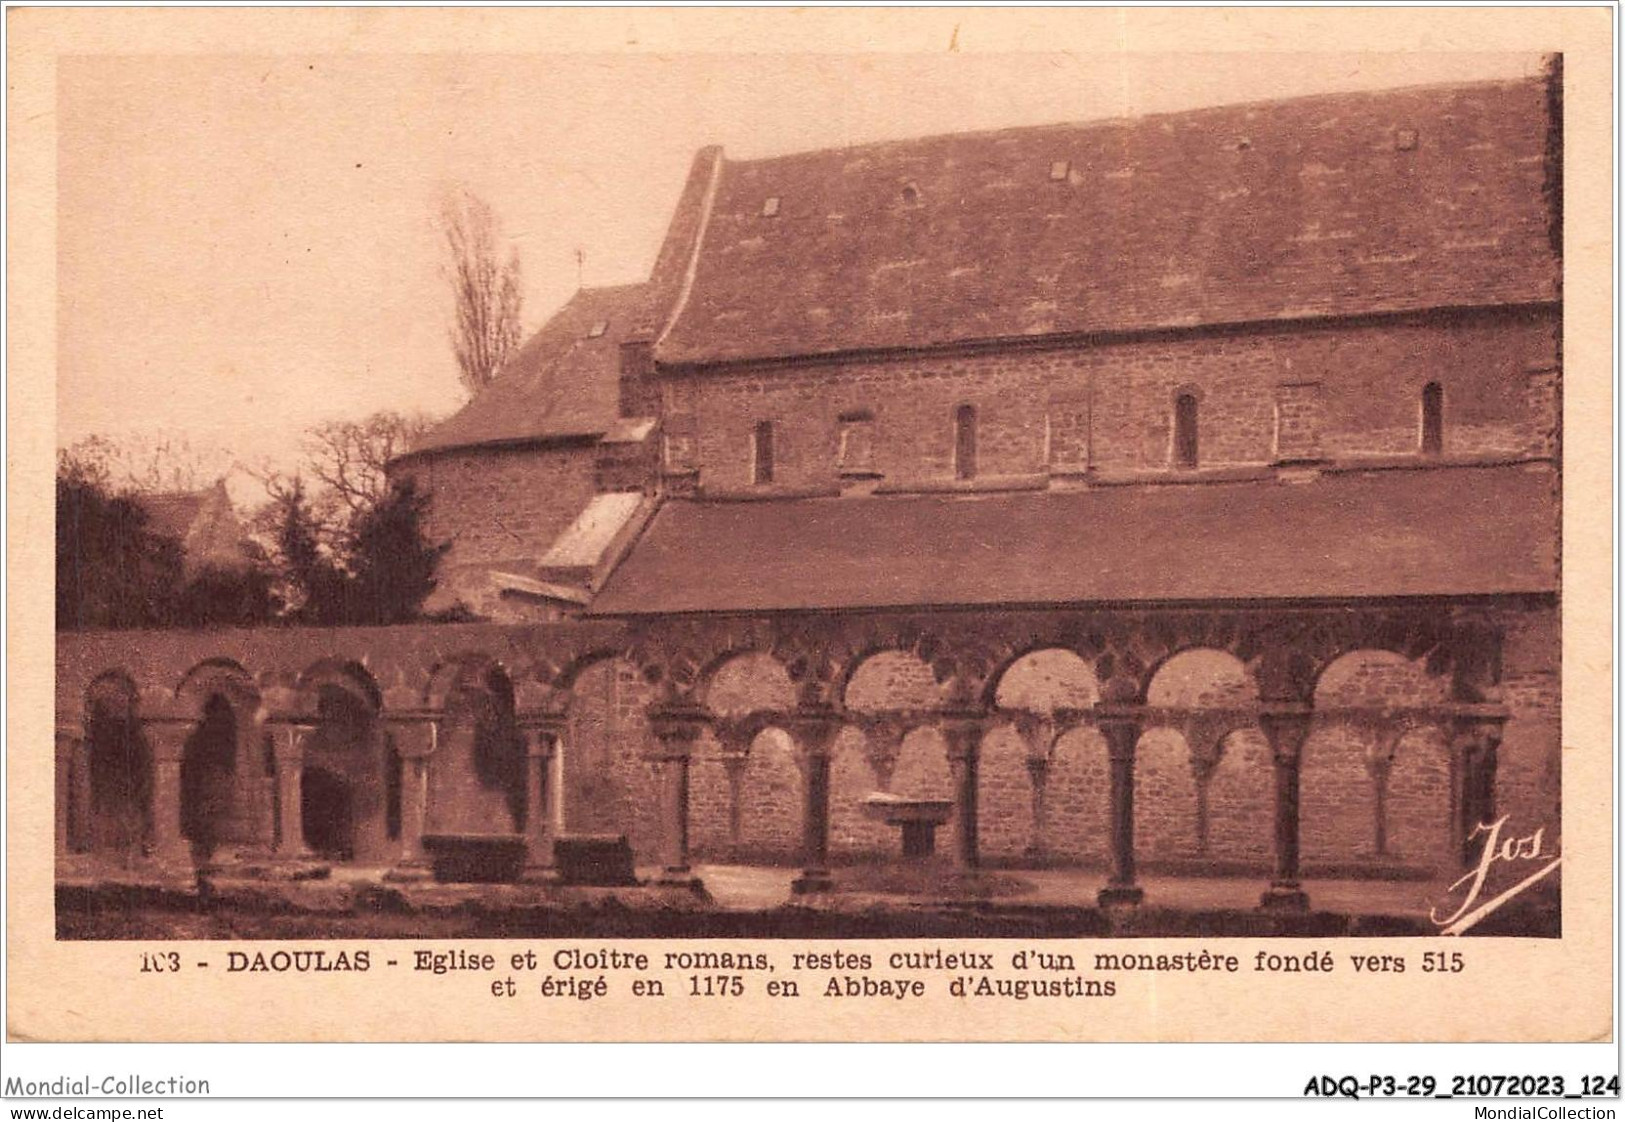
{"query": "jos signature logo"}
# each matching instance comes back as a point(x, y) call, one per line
point(1517, 853)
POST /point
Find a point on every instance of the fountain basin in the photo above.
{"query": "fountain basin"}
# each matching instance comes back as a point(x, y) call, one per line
point(918, 819)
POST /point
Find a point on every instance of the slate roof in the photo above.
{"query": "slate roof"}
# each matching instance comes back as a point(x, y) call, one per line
point(172, 513)
point(1431, 532)
point(204, 522)
point(561, 383)
point(1340, 204)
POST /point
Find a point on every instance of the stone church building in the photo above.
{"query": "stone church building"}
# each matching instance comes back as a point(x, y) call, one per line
point(1175, 493)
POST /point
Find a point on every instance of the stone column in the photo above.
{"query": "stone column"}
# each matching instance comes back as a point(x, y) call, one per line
point(1122, 735)
point(84, 827)
point(733, 764)
point(68, 739)
point(1039, 731)
point(415, 738)
point(1475, 745)
point(168, 742)
point(289, 749)
point(963, 731)
point(676, 727)
point(735, 735)
point(814, 729)
point(1286, 728)
point(542, 738)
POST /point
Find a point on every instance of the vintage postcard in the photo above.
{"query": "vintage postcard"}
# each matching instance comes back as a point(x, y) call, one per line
point(862, 525)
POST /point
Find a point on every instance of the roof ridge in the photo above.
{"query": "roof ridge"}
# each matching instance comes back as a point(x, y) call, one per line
point(1137, 119)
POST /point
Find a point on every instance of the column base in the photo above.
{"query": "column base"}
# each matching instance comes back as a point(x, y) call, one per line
point(410, 872)
point(680, 878)
point(1121, 896)
point(812, 880)
point(1284, 898)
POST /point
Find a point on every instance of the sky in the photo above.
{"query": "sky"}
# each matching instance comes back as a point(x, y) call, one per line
point(246, 244)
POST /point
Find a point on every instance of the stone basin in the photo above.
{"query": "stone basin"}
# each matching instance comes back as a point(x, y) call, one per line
point(476, 858)
point(917, 818)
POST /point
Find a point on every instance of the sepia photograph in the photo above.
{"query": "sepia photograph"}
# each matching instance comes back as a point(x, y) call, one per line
point(1141, 524)
point(719, 524)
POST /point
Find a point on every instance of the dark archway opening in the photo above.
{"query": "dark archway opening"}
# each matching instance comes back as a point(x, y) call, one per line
point(120, 785)
point(327, 814)
point(208, 765)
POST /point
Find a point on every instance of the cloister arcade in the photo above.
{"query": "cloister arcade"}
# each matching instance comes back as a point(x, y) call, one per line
point(1208, 739)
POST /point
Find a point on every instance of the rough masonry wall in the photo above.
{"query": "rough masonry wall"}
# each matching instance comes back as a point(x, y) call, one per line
point(498, 506)
point(1337, 392)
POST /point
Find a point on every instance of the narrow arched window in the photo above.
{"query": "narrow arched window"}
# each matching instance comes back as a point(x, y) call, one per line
point(1185, 430)
point(1432, 419)
point(761, 453)
point(965, 442)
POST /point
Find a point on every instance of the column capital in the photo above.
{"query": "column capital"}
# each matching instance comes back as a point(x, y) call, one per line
point(549, 721)
point(1120, 726)
point(736, 733)
point(814, 728)
point(1478, 729)
point(298, 732)
point(540, 743)
point(885, 729)
point(963, 730)
point(1286, 727)
point(414, 739)
point(1039, 731)
point(167, 737)
point(676, 726)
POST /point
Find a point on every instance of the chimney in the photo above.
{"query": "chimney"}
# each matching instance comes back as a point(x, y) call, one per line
point(639, 395)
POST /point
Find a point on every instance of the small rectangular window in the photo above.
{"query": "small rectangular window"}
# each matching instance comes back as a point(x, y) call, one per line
point(761, 454)
point(1185, 430)
point(598, 329)
point(965, 442)
point(855, 453)
point(770, 207)
point(1432, 419)
point(1060, 169)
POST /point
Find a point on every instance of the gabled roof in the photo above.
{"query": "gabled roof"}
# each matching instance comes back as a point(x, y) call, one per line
point(563, 382)
point(204, 522)
point(1342, 204)
point(1400, 533)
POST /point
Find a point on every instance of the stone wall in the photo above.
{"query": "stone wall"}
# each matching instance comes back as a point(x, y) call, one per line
point(498, 505)
point(1340, 391)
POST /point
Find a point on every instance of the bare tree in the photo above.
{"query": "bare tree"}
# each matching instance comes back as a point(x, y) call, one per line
point(349, 457)
point(485, 288)
point(150, 462)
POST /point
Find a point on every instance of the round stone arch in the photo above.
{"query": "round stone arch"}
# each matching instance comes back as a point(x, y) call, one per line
point(1203, 781)
point(350, 788)
point(227, 775)
point(1018, 781)
point(477, 769)
point(888, 677)
point(726, 688)
point(604, 780)
point(1375, 778)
